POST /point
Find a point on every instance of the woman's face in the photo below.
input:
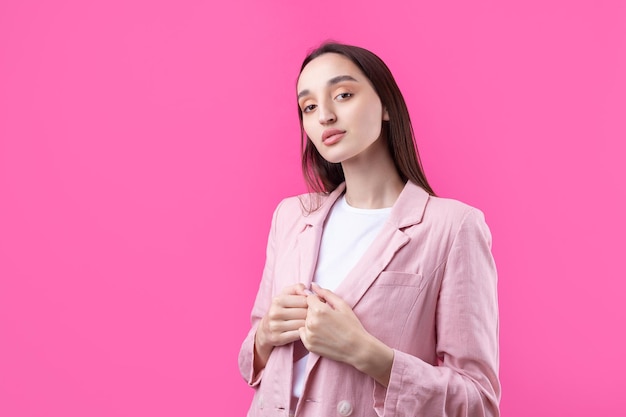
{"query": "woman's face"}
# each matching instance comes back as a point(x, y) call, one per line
point(341, 112)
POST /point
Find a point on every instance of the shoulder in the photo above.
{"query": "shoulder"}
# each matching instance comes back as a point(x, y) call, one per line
point(462, 221)
point(451, 217)
point(300, 205)
point(451, 209)
point(296, 211)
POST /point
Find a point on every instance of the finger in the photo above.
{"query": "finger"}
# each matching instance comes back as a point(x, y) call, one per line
point(304, 290)
point(330, 297)
point(281, 327)
point(316, 303)
point(290, 336)
point(293, 314)
point(303, 338)
point(292, 301)
point(297, 289)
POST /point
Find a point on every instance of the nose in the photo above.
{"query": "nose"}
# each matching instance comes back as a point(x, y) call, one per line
point(326, 115)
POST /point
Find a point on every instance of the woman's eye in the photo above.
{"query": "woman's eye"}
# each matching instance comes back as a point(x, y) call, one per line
point(308, 108)
point(343, 96)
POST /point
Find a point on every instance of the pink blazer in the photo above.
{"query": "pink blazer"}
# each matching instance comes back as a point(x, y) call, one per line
point(426, 287)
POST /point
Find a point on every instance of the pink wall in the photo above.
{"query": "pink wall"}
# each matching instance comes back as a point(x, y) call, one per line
point(144, 145)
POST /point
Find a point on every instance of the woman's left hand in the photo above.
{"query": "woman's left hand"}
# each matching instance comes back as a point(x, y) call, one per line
point(333, 331)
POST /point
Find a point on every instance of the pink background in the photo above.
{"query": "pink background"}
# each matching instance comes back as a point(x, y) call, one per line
point(144, 145)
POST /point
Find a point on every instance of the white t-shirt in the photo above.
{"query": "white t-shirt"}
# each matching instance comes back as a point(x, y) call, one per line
point(348, 232)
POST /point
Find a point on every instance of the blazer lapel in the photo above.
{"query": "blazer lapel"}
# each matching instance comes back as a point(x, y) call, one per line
point(310, 238)
point(308, 243)
point(374, 260)
point(407, 211)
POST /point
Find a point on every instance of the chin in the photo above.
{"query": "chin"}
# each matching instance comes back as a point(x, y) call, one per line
point(333, 160)
point(335, 157)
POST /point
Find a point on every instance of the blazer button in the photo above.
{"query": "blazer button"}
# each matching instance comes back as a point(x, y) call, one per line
point(344, 408)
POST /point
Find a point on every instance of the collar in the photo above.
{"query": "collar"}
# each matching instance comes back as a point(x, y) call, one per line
point(407, 210)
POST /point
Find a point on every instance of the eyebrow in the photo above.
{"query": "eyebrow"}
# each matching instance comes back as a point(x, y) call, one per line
point(332, 81)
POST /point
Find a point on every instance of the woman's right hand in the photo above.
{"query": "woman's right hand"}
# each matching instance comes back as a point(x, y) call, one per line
point(280, 325)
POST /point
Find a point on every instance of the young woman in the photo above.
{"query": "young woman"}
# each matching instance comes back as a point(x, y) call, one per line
point(377, 298)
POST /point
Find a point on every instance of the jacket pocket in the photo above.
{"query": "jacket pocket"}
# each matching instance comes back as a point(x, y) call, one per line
point(398, 279)
point(388, 304)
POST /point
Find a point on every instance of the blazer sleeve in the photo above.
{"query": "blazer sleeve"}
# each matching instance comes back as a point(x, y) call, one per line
point(260, 308)
point(465, 381)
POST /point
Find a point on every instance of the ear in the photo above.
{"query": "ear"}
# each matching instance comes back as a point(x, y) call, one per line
point(385, 115)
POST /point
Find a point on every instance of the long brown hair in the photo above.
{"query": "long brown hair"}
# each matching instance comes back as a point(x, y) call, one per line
point(322, 176)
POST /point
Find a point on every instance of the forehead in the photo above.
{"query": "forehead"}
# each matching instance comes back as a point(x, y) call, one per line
point(325, 67)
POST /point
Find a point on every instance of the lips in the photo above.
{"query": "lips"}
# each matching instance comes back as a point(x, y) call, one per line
point(331, 136)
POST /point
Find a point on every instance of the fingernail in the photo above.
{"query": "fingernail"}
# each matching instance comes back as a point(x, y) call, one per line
point(308, 291)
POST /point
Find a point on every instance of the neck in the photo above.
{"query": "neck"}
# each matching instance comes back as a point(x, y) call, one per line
point(372, 180)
